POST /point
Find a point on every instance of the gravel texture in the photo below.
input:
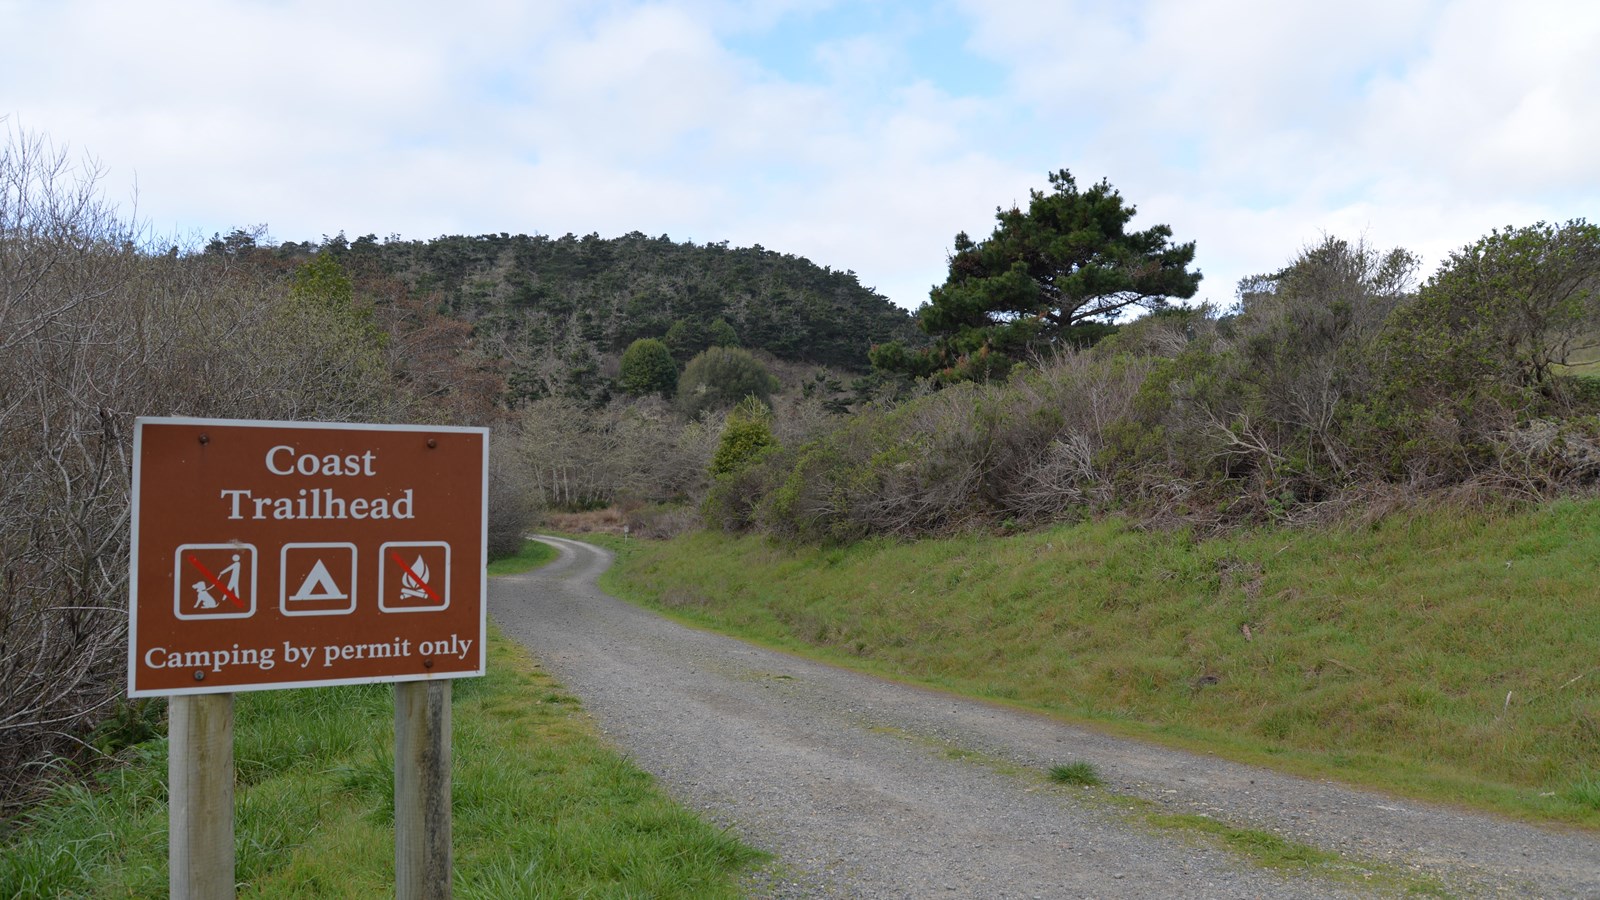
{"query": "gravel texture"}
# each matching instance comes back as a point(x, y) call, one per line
point(862, 787)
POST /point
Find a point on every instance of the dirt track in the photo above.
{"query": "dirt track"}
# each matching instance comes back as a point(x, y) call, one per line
point(866, 788)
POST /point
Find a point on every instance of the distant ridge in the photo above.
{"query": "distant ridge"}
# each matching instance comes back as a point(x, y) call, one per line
point(560, 310)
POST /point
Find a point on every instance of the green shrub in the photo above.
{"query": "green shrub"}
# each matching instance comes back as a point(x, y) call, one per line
point(648, 368)
point(746, 436)
point(720, 377)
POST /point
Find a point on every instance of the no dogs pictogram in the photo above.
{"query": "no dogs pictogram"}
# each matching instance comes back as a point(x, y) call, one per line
point(214, 581)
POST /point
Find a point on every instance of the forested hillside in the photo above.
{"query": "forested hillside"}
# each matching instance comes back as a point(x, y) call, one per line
point(560, 311)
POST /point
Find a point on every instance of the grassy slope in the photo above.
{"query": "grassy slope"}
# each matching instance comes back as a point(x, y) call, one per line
point(541, 807)
point(1381, 655)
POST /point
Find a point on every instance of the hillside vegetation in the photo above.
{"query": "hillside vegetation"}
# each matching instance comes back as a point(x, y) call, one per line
point(557, 313)
point(1336, 385)
point(1443, 653)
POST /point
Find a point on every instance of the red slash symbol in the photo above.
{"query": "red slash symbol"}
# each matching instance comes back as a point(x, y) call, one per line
point(420, 583)
point(215, 583)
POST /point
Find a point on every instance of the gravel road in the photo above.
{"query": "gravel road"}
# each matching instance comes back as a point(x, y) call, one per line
point(866, 788)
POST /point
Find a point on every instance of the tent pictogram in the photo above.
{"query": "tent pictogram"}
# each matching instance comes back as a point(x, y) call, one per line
point(319, 586)
point(326, 577)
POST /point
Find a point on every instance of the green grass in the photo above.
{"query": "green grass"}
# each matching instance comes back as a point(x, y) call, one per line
point(1275, 852)
point(1264, 848)
point(532, 556)
point(1080, 773)
point(541, 807)
point(1444, 655)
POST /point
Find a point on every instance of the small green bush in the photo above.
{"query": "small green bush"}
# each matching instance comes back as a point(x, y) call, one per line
point(1080, 773)
point(737, 479)
point(747, 435)
point(648, 368)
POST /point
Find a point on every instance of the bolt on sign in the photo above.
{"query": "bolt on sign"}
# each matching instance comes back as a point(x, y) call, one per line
point(293, 554)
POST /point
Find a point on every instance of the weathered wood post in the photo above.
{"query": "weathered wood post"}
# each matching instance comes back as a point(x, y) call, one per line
point(422, 848)
point(200, 797)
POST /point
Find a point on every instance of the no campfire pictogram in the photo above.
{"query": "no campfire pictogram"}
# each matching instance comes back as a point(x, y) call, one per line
point(414, 576)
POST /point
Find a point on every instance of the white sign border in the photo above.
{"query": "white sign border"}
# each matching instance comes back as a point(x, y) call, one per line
point(133, 554)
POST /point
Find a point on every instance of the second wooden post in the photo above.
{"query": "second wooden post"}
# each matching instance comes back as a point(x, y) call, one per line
point(422, 851)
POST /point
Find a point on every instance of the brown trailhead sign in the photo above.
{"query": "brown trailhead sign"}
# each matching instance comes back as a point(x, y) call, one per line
point(294, 554)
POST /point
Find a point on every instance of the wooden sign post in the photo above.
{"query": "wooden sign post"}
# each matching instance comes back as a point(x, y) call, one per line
point(200, 796)
point(422, 852)
point(293, 554)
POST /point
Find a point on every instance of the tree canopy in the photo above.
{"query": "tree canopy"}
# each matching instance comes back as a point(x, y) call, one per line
point(648, 368)
point(719, 378)
point(1510, 308)
point(1060, 272)
point(559, 311)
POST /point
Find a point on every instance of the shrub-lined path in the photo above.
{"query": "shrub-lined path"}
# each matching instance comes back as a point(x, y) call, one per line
point(866, 788)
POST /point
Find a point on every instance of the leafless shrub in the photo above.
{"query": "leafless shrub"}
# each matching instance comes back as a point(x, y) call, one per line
point(95, 330)
point(633, 449)
point(797, 419)
point(1073, 401)
point(512, 510)
point(656, 522)
point(64, 367)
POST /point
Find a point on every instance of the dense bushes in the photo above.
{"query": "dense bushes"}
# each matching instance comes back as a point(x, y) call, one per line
point(1478, 356)
point(1333, 380)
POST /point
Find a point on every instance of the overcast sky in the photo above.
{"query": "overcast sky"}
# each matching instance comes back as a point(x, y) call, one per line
point(861, 135)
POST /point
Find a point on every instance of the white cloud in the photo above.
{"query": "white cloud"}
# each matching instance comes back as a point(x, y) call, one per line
point(1252, 127)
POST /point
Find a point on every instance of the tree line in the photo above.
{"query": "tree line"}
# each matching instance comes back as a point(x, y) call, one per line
point(1335, 383)
point(559, 312)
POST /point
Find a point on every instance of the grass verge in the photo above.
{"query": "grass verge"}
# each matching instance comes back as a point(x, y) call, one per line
point(1443, 655)
point(532, 555)
point(541, 807)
